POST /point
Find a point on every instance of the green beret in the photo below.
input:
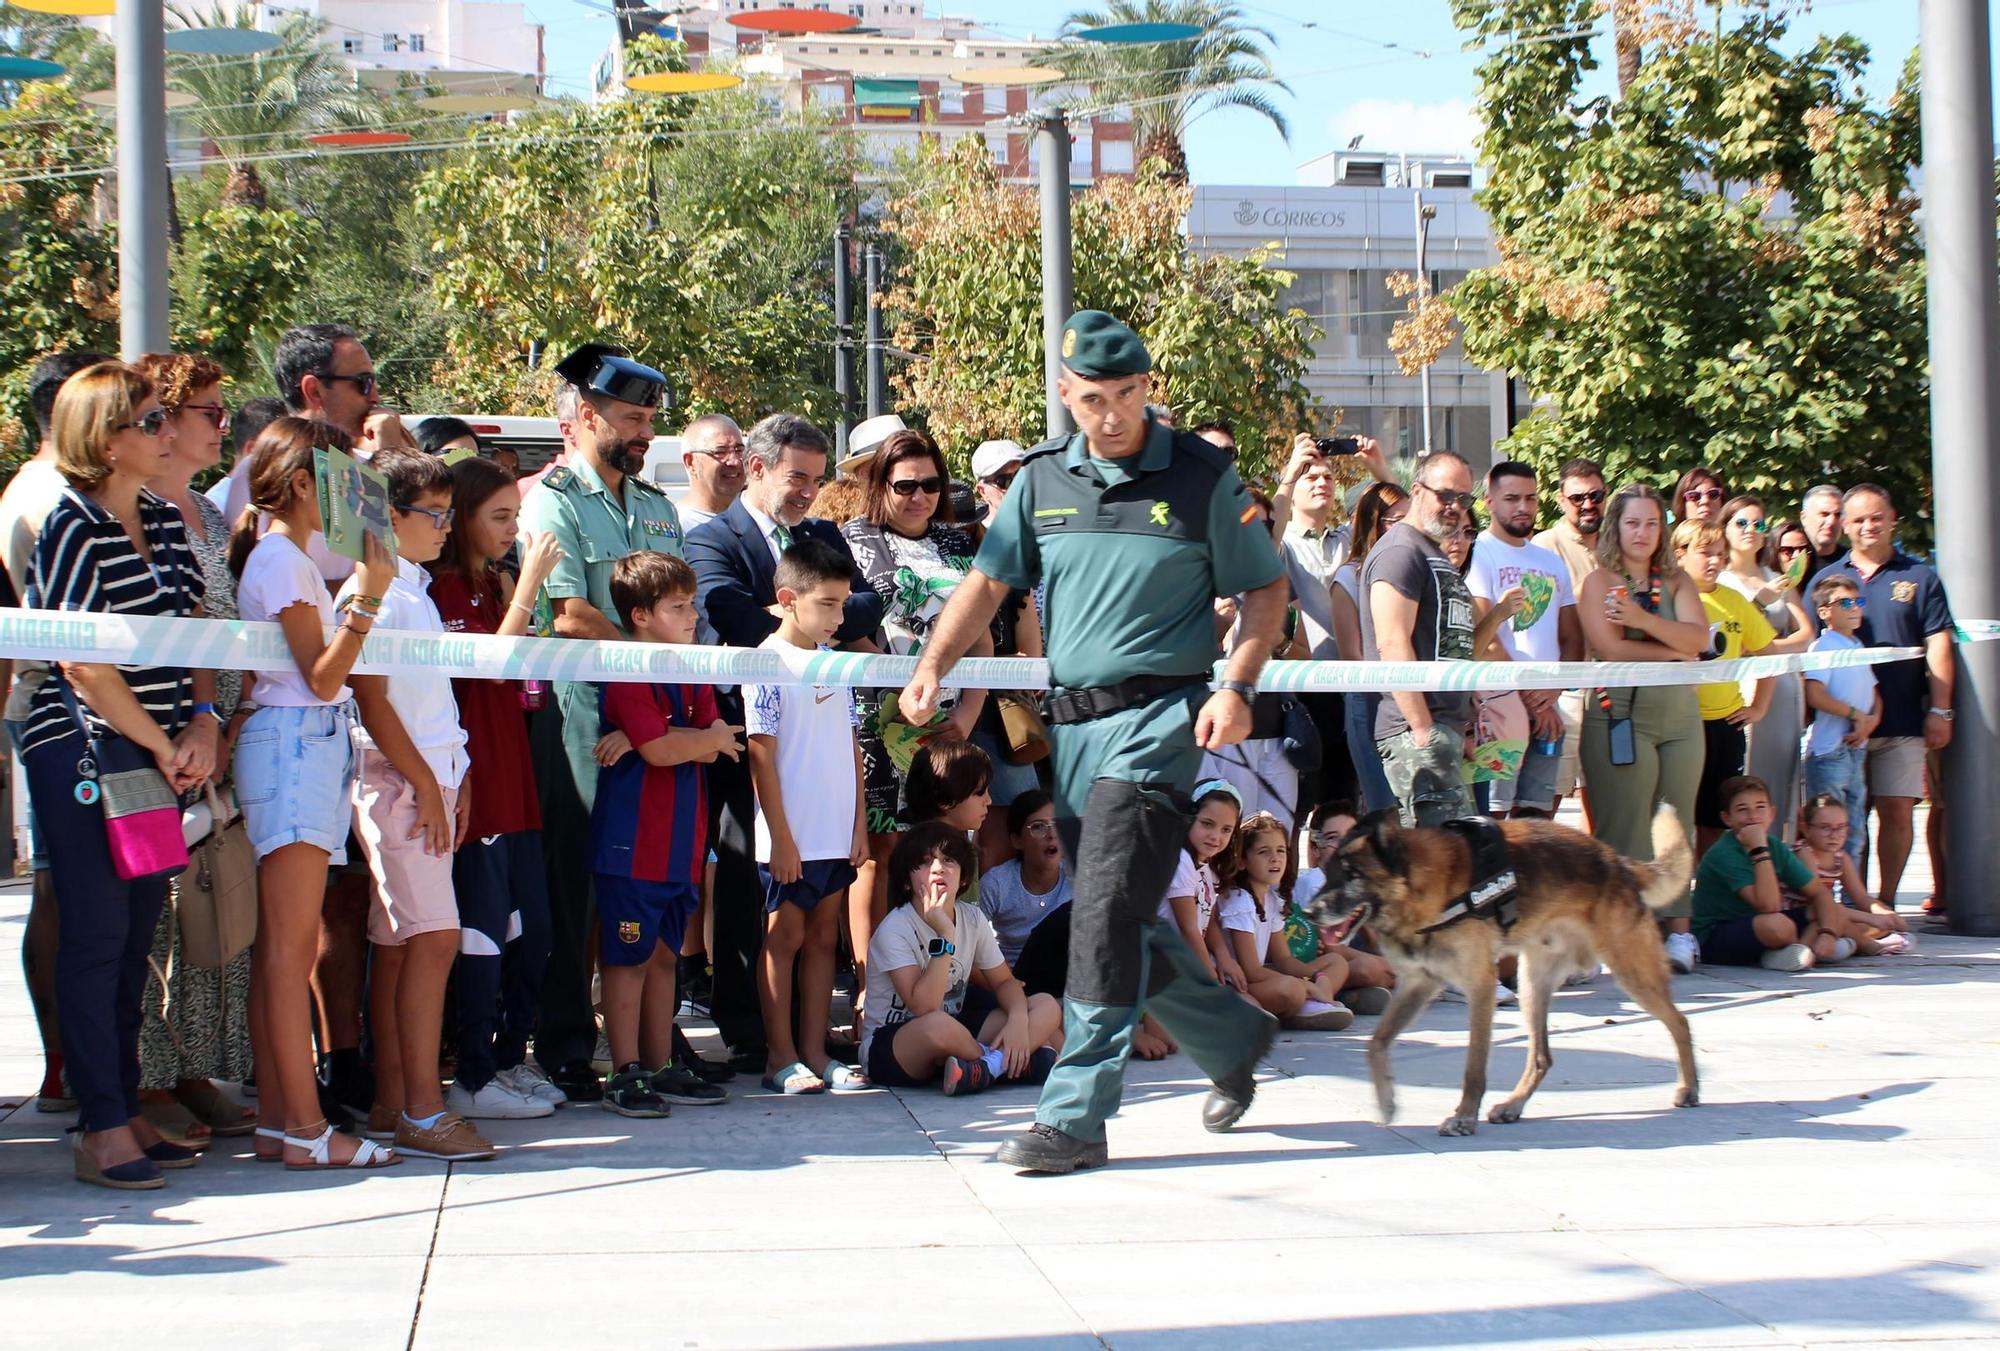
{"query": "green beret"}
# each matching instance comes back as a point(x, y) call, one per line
point(1098, 347)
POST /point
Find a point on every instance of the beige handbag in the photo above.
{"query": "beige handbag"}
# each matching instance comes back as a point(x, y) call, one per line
point(1021, 722)
point(215, 898)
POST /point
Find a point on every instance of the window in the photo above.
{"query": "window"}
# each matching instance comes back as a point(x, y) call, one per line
point(951, 98)
point(391, 43)
point(416, 42)
point(828, 94)
point(350, 46)
point(1116, 157)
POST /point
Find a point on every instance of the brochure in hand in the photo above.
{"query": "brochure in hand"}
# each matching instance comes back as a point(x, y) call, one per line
point(353, 503)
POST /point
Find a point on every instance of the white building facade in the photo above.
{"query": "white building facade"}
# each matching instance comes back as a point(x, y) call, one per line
point(484, 46)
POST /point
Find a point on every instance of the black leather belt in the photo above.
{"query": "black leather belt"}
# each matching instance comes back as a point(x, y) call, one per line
point(1101, 701)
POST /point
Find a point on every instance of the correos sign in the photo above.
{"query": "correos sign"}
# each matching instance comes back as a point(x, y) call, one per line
point(1249, 213)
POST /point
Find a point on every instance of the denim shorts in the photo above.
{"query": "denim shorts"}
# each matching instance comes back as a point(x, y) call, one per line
point(293, 768)
point(1009, 779)
point(38, 855)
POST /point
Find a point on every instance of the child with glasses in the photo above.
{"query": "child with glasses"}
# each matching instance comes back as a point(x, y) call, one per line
point(1846, 708)
point(1876, 928)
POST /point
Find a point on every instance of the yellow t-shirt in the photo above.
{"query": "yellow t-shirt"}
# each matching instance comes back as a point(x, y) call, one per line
point(1743, 629)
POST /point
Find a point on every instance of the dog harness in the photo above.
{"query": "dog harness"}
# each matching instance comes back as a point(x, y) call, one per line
point(1494, 893)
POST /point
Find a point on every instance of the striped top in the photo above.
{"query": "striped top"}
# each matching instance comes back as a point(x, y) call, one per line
point(84, 561)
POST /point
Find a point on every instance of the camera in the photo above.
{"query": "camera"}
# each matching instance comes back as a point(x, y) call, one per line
point(1337, 445)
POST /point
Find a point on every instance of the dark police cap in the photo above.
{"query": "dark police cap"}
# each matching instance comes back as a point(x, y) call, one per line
point(599, 368)
point(1098, 347)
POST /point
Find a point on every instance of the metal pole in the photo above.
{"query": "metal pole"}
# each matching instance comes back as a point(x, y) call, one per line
point(140, 31)
point(843, 339)
point(1965, 427)
point(1424, 214)
point(1057, 303)
point(878, 384)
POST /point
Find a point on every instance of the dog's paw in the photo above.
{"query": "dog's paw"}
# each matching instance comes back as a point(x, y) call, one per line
point(1504, 1113)
point(1459, 1125)
point(1687, 1097)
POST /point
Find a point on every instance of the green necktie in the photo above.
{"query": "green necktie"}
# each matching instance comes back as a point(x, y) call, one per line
point(784, 535)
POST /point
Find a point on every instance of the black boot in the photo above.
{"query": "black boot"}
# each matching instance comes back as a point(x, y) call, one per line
point(1235, 1090)
point(1044, 1149)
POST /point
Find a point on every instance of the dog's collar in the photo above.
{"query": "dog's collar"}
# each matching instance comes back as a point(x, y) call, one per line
point(1495, 892)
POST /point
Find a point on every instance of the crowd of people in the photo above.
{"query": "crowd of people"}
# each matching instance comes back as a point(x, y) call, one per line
point(526, 890)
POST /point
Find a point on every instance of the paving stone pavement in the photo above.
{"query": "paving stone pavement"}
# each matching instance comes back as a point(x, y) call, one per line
point(1837, 1187)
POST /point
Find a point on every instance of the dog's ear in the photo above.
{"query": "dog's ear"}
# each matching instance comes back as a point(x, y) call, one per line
point(1385, 836)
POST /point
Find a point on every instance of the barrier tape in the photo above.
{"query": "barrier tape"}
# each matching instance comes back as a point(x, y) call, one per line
point(235, 645)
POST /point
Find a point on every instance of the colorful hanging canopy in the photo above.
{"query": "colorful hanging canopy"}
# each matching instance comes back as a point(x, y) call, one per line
point(794, 22)
point(682, 82)
point(1141, 32)
point(221, 41)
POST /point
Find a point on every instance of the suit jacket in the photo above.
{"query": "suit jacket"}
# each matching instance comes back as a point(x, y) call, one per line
point(734, 580)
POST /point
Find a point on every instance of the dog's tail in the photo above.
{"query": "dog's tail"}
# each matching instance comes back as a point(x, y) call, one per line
point(1665, 879)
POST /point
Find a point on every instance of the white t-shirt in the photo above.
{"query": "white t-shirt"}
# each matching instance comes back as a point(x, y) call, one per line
point(31, 495)
point(233, 496)
point(1499, 566)
point(814, 731)
point(1308, 886)
point(422, 699)
point(1239, 914)
point(901, 941)
point(1190, 879)
point(276, 576)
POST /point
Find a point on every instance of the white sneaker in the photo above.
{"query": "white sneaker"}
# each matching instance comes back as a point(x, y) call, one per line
point(1791, 957)
point(1316, 1015)
point(1585, 976)
point(1843, 948)
point(1682, 953)
point(1503, 996)
point(530, 1082)
point(600, 1057)
point(495, 1102)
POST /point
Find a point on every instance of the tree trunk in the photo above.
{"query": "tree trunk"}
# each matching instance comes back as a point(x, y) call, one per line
point(1161, 144)
point(1625, 38)
point(244, 188)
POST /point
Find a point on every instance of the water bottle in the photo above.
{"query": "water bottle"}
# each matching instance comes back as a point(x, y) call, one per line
point(534, 694)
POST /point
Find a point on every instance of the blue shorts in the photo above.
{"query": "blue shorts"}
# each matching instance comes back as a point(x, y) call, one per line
point(634, 917)
point(818, 879)
point(1734, 942)
point(38, 856)
point(293, 769)
point(885, 1071)
point(1009, 779)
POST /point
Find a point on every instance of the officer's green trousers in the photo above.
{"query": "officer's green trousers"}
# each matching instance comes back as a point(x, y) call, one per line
point(1121, 807)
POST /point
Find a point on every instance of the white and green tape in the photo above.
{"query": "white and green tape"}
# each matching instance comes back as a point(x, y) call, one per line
point(234, 645)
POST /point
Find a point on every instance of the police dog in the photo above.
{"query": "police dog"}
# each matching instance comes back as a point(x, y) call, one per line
point(1577, 899)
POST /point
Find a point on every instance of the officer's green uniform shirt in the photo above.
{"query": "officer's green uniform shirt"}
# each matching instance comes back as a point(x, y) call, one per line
point(595, 530)
point(1133, 554)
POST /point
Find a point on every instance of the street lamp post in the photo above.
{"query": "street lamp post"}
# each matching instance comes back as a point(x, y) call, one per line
point(1425, 215)
point(141, 56)
point(1053, 142)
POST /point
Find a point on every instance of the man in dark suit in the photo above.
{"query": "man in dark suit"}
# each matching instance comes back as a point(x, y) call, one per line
point(735, 556)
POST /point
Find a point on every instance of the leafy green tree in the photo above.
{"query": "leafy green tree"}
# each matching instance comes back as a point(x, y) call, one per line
point(968, 303)
point(238, 277)
point(1168, 85)
point(1719, 268)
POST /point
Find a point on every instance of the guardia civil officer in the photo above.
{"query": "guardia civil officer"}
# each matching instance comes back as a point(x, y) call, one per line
point(1135, 529)
point(600, 510)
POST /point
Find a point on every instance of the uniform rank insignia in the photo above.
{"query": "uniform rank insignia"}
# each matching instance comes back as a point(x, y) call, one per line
point(1159, 513)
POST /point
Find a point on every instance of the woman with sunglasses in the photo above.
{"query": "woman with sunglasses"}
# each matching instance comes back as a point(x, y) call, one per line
point(111, 547)
point(1699, 496)
point(904, 542)
point(208, 1037)
point(1774, 741)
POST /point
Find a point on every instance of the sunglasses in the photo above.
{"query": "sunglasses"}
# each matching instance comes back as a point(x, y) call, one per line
point(441, 519)
point(910, 487)
point(1591, 498)
point(217, 414)
point(1788, 550)
point(1450, 498)
point(1003, 480)
point(1704, 495)
point(364, 382)
point(148, 423)
point(1849, 603)
point(1745, 523)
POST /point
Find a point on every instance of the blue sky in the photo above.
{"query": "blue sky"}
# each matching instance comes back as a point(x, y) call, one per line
point(1390, 71)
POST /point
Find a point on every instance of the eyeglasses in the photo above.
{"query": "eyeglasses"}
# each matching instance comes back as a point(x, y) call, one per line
point(441, 519)
point(1327, 839)
point(1591, 498)
point(1760, 525)
point(1790, 549)
point(910, 487)
point(148, 423)
point(1039, 828)
point(1849, 603)
point(1002, 480)
point(725, 452)
point(364, 382)
point(217, 414)
point(1449, 498)
point(1704, 495)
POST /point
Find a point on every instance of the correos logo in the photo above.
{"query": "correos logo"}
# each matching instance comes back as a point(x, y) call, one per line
point(1246, 213)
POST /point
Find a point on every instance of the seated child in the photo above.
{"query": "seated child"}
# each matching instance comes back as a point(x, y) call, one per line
point(1369, 978)
point(1823, 848)
point(942, 1005)
point(1019, 894)
point(1190, 900)
point(1742, 916)
point(649, 843)
point(1303, 995)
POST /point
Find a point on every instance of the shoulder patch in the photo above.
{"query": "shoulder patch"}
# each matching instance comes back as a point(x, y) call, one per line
point(645, 485)
point(558, 478)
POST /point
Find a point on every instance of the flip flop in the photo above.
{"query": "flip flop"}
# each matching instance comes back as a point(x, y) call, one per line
point(789, 1080)
point(840, 1078)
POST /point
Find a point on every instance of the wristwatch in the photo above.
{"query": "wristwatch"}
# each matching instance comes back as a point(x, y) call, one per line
point(1242, 689)
point(1944, 713)
point(209, 709)
point(941, 947)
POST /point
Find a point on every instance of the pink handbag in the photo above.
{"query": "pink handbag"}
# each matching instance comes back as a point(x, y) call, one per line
point(142, 814)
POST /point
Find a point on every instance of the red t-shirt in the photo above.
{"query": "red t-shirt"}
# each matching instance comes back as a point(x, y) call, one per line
point(496, 729)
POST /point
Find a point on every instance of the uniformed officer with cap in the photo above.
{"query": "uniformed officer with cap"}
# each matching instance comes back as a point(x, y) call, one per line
point(600, 510)
point(1135, 529)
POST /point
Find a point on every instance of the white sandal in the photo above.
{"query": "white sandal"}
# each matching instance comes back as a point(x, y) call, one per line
point(267, 1133)
point(367, 1154)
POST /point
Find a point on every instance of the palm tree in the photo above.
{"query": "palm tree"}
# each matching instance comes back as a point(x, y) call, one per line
point(253, 104)
point(1170, 84)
